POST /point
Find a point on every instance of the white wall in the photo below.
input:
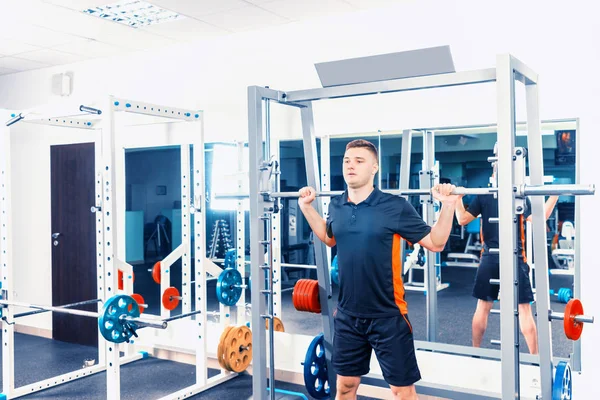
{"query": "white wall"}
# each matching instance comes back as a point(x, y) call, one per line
point(31, 217)
point(556, 39)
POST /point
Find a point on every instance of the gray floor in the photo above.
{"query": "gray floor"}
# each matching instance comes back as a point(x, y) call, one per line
point(37, 358)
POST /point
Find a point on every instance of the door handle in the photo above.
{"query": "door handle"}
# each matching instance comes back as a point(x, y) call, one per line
point(55, 235)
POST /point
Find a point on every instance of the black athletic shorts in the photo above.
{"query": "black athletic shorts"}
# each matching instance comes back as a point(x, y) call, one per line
point(390, 337)
point(489, 268)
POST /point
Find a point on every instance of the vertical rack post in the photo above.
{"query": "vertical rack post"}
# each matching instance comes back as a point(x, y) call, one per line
point(109, 211)
point(257, 234)
point(536, 173)
point(199, 232)
point(509, 313)
point(6, 275)
point(312, 176)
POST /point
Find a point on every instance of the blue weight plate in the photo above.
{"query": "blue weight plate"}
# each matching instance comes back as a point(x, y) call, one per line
point(227, 293)
point(561, 389)
point(335, 271)
point(316, 379)
point(111, 326)
point(230, 258)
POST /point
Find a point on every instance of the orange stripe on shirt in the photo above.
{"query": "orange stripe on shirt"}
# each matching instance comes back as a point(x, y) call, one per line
point(523, 238)
point(397, 274)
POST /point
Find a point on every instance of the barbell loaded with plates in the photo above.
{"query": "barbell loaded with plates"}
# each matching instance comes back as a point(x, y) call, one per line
point(234, 351)
point(118, 321)
point(306, 296)
point(573, 319)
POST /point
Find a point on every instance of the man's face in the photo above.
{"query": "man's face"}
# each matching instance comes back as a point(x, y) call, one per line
point(360, 167)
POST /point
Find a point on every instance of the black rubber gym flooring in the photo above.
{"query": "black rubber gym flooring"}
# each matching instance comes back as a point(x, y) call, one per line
point(38, 358)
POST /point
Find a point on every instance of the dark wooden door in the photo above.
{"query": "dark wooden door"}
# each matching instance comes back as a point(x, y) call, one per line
point(73, 240)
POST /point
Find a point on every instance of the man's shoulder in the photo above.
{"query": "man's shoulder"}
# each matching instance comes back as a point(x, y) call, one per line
point(486, 198)
point(391, 198)
point(336, 200)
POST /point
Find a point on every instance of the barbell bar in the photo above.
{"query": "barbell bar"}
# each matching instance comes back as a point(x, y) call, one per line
point(80, 303)
point(524, 190)
point(577, 318)
point(140, 321)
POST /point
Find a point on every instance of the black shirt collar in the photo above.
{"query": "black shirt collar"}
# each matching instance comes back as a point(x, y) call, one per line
point(372, 200)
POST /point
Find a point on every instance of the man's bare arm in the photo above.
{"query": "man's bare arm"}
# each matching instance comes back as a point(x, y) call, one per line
point(316, 222)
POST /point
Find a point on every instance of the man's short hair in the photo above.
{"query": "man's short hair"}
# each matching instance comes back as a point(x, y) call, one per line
point(365, 145)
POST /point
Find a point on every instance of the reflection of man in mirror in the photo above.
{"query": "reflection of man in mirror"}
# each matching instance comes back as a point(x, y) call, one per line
point(565, 142)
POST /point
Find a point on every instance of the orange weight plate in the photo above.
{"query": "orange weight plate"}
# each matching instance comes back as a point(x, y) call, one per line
point(238, 348)
point(297, 295)
point(315, 305)
point(139, 300)
point(156, 272)
point(277, 325)
point(170, 298)
point(305, 303)
point(221, 348)
point(573, 328)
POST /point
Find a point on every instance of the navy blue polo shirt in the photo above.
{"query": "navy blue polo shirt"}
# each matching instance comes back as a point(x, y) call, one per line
point(487, 206)
point(368, 237)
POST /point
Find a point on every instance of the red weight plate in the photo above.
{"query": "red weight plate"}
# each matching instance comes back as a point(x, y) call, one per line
point(315, 305)
point(120, 276)
point(170, 298)
point(138, 299)
point(573, 328)
point(156, 272)
point(297, 295)
point(305, 295)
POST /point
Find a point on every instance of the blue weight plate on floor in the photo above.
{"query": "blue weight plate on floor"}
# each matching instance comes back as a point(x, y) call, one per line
point(316, 379)
point(561, 389)
point(227, 293)
point(111, 326)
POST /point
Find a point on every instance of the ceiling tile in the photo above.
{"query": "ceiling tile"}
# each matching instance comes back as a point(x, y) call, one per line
point(243, 19)
point(186, 29)
point(136, 39)
point(199, 8)
point(299, 10)
point(52, 57)
point(34, 35)
point(79, 4)
point(65, 21)
point(373, 3)
point(9, 47)
point(90, 48)
point(20, 64)
point(65, 24)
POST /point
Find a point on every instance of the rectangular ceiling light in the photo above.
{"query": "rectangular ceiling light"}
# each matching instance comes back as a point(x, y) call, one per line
point(133, 13)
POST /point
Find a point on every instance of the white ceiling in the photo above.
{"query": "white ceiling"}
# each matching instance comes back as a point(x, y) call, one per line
point(41, 33)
